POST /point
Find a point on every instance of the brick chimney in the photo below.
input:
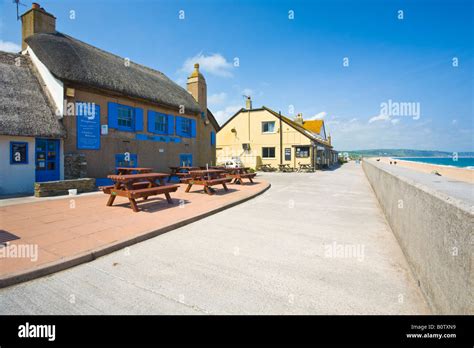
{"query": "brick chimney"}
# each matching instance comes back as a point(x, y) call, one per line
point(248, 103)
point(299, 119)
point(36, 20)
point(198, 88)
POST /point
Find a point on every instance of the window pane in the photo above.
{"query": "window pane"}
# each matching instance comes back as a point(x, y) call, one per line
point(186, 126)
point(268, 152)
point(268, 127)
point(161, 123)
point(302, 151)
point(125, 116)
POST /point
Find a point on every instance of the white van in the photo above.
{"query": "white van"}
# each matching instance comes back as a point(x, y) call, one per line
point(233, 163)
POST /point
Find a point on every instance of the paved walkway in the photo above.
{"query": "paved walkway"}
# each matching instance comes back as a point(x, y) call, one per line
point(315, 243)
point(55, 234)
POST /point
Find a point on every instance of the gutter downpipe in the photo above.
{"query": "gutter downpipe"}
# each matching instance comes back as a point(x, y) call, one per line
point(281, 139)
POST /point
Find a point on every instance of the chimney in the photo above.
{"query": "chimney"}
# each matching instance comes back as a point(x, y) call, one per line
point(198, 88)
point(299, 119)
point(36, 20)
point(329, 139)
point(248, 103)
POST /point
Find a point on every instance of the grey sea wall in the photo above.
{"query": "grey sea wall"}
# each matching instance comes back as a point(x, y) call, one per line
point(432, 218)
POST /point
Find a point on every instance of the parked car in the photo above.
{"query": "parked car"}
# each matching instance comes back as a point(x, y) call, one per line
point(233, 163)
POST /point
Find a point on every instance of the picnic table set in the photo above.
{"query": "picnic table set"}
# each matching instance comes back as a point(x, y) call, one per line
point(140, 182)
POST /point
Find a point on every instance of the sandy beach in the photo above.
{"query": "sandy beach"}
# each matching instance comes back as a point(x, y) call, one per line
point(460, 174)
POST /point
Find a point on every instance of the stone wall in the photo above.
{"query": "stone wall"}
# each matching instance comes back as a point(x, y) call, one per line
point(57, 188)
point(75, 166)
point(432, 219)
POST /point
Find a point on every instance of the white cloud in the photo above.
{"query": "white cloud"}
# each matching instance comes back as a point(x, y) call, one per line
point(454, 121)
point(214, 64)
point(353, 120)
point(222, 115)
point(380, 117)
point(8, 46)
point(395, 120)
point(248, 92)
point(319, 116)
point(217, 98)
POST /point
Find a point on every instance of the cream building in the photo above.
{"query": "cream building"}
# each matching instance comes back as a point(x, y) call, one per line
point(263, 136)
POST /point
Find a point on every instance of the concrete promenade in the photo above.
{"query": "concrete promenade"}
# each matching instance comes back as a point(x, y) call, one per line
point(314, 243)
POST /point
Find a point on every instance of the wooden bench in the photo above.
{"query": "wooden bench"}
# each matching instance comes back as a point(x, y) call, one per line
point(136, 185)
point(142, 193)
point(239, 176)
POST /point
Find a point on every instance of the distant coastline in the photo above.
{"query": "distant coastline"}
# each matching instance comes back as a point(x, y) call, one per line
point(407, 153)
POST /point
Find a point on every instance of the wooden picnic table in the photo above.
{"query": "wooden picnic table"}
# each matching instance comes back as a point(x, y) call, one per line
point(266, 168)
point(129, 170)
point(305, 167)
point(240, 173)
point(135, 186)
point(182, 172)
point(207, 178)
point(285, 168)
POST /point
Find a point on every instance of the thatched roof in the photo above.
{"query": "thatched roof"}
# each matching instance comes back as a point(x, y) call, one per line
point(71, 60)
point(24, 108)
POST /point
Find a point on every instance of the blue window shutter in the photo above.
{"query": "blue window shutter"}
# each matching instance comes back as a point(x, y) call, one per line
point(178, 126)
point(138, 119)
point(112, 115)
point(170, 124)
point(151, 121)
point(193, 128)
point(213, 138)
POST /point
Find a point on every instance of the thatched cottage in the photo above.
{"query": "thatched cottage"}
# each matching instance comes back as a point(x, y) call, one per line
point(115, 112)
point(30, 133)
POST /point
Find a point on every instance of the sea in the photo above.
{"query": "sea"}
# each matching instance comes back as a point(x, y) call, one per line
point(461, 162)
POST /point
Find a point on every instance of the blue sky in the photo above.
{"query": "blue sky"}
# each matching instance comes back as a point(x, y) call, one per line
point(297, 63)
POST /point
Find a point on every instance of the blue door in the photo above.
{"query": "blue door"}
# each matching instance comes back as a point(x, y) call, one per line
point(186, 159)
point(47, 159)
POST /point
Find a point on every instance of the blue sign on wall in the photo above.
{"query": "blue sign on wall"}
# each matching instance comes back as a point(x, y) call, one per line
point(88, 126)
point(158, 138)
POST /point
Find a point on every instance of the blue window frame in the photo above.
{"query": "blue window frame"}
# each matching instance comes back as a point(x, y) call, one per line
point(186, 126)
point(161, 123)
point(213, 138)
point(125, 117)
point(186, 159)
point(18, 152)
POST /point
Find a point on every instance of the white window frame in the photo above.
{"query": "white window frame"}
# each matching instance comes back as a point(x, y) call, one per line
point(268, 132)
